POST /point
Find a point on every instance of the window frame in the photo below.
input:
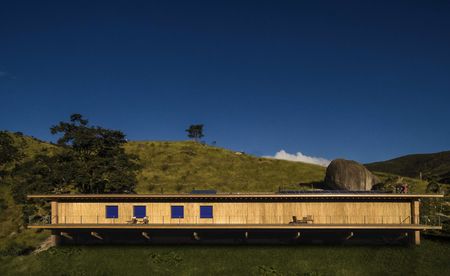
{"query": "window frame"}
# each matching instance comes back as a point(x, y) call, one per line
point(175, 207)
point(139, 206)
point(210, 215)
point(116, 211)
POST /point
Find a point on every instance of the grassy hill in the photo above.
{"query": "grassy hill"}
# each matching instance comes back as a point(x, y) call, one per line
point(432, 165)
point(183, 166)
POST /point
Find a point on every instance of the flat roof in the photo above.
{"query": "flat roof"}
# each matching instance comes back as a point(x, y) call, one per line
point(231, 196)
point(237, 226)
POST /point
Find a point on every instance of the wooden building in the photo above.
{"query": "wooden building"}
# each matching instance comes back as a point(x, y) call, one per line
point(340, 216)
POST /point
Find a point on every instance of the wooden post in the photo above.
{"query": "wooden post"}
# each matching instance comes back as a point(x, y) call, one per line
point(55, 239)
point(415, 205)
point(54, 212)
point(417, 237)
point(415, 219)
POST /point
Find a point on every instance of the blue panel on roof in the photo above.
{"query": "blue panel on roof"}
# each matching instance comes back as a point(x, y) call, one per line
point(177, 211)
point(203, 192)
point(139, 211)
point(206, 212)
point(112, 211)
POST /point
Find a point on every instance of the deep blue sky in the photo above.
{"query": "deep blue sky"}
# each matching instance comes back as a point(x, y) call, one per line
point(364, 80)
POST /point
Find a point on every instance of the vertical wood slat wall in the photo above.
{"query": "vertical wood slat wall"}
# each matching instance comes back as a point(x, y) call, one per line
point(243, 212)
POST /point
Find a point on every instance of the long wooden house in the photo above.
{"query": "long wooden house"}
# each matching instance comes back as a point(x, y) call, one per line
point(313, 217)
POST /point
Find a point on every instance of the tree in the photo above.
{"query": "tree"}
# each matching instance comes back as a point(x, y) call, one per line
point(90, 159)
point(195, 132)
point(8, 152)
point(42, 174)
point(97, 156)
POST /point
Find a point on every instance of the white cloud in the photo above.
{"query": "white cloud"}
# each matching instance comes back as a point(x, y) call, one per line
point(300, 157)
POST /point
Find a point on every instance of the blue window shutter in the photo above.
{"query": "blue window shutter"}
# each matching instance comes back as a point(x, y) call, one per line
point(112, 211)
point(139, 211)
point(177, 211)
point(206, 212)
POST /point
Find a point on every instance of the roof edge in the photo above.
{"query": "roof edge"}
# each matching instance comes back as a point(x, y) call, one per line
point(235, 195)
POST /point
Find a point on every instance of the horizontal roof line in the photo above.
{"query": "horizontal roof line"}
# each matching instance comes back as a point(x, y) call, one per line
point(236, 195)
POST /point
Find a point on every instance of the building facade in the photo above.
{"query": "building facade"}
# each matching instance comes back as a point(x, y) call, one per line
point(395, 216)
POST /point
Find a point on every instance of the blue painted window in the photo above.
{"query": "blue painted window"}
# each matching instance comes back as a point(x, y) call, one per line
point(112, 211)
point(139, 211)
point(206, 212)
point(177, 211)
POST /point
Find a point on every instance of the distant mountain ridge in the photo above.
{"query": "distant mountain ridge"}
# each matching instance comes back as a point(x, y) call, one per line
point(431, 165)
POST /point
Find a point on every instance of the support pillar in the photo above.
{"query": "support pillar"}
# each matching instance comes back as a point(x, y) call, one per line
point(416, 237)
point(55, 238)
point(54, 212)
point(415, 219)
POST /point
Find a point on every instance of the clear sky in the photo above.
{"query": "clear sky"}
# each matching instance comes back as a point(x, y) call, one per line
point(363, 80)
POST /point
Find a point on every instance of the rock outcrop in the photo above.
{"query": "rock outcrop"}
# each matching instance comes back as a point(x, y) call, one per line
point(349, 175)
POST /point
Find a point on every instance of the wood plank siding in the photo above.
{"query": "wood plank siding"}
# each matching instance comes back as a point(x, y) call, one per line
point(336, 212)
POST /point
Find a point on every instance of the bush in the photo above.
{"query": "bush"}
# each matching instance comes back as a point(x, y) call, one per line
point(433, 187)
point(13, 248)
point(3, 204)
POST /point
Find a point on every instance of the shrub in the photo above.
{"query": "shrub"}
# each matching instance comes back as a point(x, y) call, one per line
point(13, 248)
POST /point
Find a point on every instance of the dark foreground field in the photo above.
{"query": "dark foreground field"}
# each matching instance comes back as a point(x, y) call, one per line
point(431, 258)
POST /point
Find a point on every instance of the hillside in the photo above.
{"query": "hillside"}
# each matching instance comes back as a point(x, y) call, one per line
point(183, 166)
point(432, 165)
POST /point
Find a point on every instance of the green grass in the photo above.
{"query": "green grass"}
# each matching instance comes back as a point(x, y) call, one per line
point(431, 258)
point(183, 166)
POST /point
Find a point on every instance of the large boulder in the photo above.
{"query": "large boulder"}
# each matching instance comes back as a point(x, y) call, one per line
point(349, 175)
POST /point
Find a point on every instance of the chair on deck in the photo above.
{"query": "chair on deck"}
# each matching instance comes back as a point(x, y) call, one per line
point(132, 221)
point(307, 219)
point(294, 220)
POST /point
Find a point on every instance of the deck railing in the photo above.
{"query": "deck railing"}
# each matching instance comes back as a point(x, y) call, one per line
point(165, 219)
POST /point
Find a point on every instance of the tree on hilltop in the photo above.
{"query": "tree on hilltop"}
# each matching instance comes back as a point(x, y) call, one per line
point(195, 132)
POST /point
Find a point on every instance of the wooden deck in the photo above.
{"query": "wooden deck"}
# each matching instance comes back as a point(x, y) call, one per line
point(239, 226)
